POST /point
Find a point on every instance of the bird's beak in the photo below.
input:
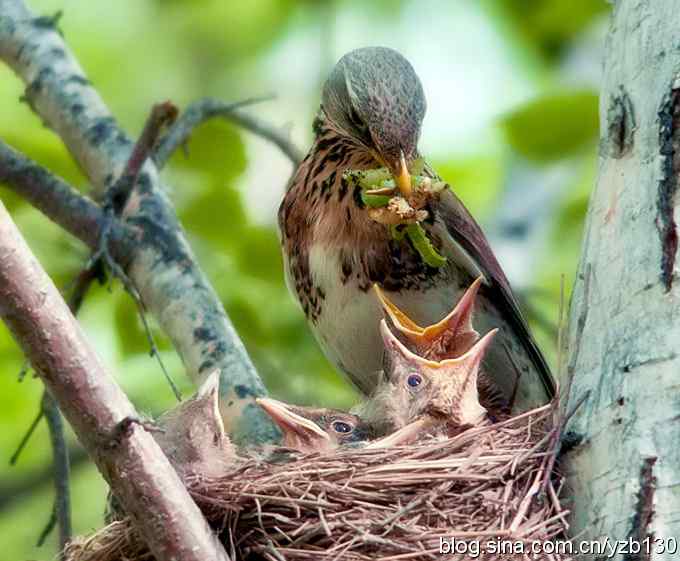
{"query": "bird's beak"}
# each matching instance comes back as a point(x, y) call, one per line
point(296, 429)
point(396, 349)
point(402, 177)
point(470, 361)
point(400, 320)
point(460, 318)
point(456, 326)
point(209, 391)
point(458, 396)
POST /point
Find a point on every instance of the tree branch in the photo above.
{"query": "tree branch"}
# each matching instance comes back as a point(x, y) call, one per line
point(61, 203)
point(162, 114)
point(160, 264)
point(115, 200)
point(132, 462)
point(61, 469)
point(204, 109)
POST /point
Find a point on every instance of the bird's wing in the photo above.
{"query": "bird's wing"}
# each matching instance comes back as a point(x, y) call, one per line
point(469, 236)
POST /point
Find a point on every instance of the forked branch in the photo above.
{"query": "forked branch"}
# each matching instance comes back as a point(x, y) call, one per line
point(131, 460)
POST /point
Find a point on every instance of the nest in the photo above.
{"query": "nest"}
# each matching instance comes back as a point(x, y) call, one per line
point(487, 487)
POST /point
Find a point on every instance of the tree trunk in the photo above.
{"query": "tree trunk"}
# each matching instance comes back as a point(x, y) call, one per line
point(622, 447)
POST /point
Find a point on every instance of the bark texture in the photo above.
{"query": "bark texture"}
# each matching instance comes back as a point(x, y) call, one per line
point(162, 267)
point(622, 448)
point(100, 413)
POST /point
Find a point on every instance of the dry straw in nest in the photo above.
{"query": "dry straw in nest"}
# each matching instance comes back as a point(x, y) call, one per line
point(487, 485)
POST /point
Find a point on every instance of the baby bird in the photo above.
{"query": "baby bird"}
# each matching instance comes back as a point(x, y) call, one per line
point(310, 429)
point(192, 434)
point(412, 387)
point(193, 439)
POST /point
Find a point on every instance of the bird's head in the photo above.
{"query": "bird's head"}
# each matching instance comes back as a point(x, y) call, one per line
point(375, 98)
point(193, 436)
point(312, 429)
point(445, 390)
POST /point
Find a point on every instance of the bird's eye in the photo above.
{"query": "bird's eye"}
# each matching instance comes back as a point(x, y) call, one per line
point(342, 427)
point(414, 380)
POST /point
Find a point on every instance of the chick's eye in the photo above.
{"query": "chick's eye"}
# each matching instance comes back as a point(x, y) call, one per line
point(342, 427)
point(414, 380)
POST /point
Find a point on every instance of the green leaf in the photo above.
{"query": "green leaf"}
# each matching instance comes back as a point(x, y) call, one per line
point(375, 201)
point(548, 25)
point(554, 126)
point(216, 26)
point(214, 147)
point(217, 215)
point(475, 180)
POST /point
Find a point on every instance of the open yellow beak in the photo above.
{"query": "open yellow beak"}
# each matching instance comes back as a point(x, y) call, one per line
point(402, 178)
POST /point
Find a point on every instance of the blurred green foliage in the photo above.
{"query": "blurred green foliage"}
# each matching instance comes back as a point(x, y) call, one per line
point(549, 26)
point(554, 125)
point(139, 52)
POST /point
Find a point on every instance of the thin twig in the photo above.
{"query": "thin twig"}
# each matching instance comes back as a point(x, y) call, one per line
point(59, 201)
point(556, 437)
point(80, 286)
point(162, 115)
point(116, 198)
point(49, 526)
point(26, 438)
point(25, 368)
point(204, 109)
point(62, 494)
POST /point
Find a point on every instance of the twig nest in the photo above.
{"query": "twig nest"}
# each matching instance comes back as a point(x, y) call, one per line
point(485, 487)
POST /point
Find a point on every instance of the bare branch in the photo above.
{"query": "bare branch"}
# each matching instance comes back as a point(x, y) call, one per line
point(27, 436)
point(61, 470)
point(144, 481)
point(160, 264)
point(115, 199)
point(60, 202)
point(162, 114)
point(204, 109)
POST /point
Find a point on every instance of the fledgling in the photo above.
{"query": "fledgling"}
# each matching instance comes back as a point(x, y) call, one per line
point(445, 392)
point(192, 434)
point(192, 437)
point(311, 429)
point(450, 337)
point(372, 108)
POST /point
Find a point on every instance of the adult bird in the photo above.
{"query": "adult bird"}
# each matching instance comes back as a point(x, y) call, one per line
point(371, 113)
point(315, 429)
